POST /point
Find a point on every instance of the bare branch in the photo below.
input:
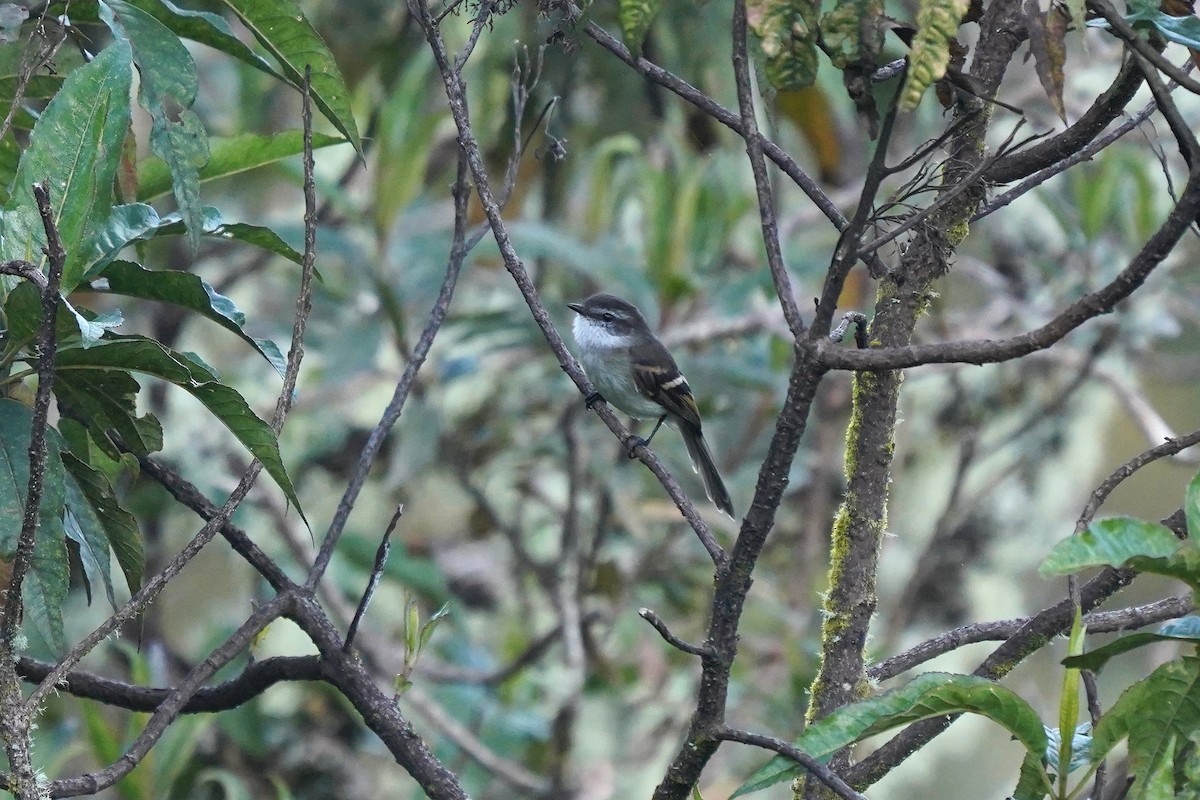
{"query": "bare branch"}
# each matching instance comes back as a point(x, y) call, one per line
point(381, 557)
point(657, 623)
point(1002, 630)
point(16, 718)
point(822, 772)
point(1119, 475)
point(762, 181)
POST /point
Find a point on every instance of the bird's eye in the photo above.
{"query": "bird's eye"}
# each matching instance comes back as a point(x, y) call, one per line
point(607, 316)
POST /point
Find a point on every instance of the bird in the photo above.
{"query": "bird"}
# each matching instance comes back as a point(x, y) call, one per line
point(633, 371)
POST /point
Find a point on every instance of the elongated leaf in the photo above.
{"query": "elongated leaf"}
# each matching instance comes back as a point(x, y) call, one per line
point(1109, 542)
point(167, 91)
point(230, 156)
point(1047, 42)
point(187, 291)
point(1182, 630)
point(635, 17)
point(937, 24)
point(84, 529)
point(205, 28)
point(76, 146)
point(149, 357)
point(281, 27)
point(125, 225)
point(1191, 507)
point(933, 694)
point(23, 311)
point(1152, 712)
point(45, 589)
point(117, 526)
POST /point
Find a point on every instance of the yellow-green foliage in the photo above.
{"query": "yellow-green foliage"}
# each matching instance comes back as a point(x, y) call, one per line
point(787, 32)
point(937, 24)
point(635, 17)
point(853, 32)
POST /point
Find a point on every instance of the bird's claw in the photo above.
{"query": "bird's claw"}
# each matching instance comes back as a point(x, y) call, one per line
point(590, 401)
point(633, 443)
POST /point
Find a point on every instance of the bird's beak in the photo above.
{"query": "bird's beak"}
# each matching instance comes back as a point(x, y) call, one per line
point(576, 307)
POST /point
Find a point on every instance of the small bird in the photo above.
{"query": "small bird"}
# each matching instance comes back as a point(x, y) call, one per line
point(632, 370)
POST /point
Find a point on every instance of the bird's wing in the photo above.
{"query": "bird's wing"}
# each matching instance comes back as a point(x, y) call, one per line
point(659, 379)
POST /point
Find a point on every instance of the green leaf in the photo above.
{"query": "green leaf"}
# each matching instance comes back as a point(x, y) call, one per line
point(634, 17)
point(787, 33)
point(1191, 507)
point(1152, 713)
point(1181, 630)
point(75, 146)
point(933, 694)
point(125, 225)
point(118, 527)
point(138, 354)
point(187, 291)
point(1068, 707)
point(229, 156)
point(937, 24)
point(205, 28)
point(45, 588)
point(1031, 785)
point(103, 400)
point(281, 27)
point(1109, 542)
point(853, 32)
point(167, 91)
point(83, 527)
point(23, 312)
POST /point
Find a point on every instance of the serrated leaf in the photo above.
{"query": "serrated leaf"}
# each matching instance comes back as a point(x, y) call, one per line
point(231, 155)
point(1109, 542)
point(167, 90)
point(1047, 42)
point(281, 27)
point(1152, 713)
point(634, 17)
point(45, 588)
point(187, 291)
point(118, 526)
point(937, 24)
point(76, 147)
point(104, 400)
point(933, 694)
point(138, 354)
point(787, 33)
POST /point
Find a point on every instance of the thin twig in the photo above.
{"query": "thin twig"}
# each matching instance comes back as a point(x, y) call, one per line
point(381, 557)
point(15, 719)
point(820, 771)
point(657, 623)
point(1124, 31)
point(1121, 473)
point(762, 180)
point(1001, 630)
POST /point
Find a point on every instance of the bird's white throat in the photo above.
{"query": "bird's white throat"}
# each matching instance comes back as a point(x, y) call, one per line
point(596, 336)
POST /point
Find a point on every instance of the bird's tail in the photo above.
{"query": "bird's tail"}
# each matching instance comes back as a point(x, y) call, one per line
point(702, 462)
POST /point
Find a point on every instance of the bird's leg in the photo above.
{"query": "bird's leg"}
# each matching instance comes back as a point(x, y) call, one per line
point(636, 441)
point(590, 401)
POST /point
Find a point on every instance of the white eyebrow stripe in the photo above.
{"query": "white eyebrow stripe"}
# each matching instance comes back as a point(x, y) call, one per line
point(676, 381)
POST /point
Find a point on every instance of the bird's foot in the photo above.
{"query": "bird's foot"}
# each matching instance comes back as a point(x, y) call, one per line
point(590, 401)
point(633, 443)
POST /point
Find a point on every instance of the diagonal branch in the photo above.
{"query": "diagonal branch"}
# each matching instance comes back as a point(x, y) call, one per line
point(762, 181)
